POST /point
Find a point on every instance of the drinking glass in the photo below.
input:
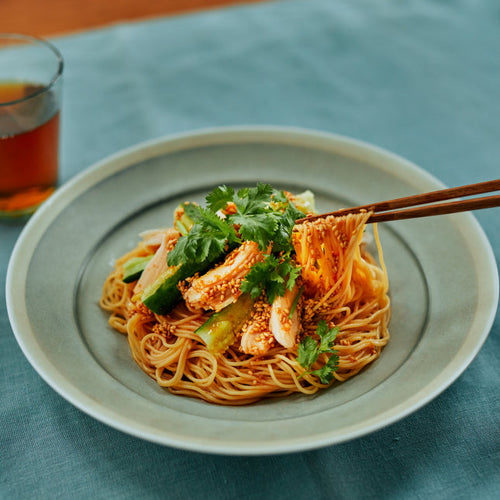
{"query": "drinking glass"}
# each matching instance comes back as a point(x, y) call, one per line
point(30, 101)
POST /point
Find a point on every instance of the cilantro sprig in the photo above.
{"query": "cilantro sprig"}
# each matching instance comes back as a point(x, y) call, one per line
point(309, 351)
point(206, 240)
point(274, 275)
point(262, 214)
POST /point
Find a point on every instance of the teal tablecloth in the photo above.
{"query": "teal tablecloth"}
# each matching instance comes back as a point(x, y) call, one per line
point(420, 78)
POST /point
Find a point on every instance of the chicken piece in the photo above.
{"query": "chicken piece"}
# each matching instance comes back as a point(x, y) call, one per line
point(256, 338)
point(166, 240)
point(220, 286)
point(154, 237)
point(256, 341)
point(283, 325)
point(221, 329)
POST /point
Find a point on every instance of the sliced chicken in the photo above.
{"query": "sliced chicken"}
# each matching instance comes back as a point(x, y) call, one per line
point(256, 338)
point(283, 323)
point(166, 240)
point(220, 286)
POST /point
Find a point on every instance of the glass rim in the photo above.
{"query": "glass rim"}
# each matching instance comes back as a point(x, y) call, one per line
point(36, 41)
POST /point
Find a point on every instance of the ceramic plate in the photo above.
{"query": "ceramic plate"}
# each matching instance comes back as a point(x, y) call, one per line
point(444, 288)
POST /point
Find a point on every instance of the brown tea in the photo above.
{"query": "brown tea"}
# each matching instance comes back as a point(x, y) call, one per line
point(29, 133)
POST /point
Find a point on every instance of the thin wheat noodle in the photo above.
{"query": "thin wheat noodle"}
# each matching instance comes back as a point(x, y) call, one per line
point(343, 285)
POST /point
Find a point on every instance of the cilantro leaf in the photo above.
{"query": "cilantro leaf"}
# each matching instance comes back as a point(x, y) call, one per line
point(327, 336)
point(196, 247)
point(279, 197)
point(255, 280)
point(273, 275)
point(254, 200)
point(287, 268)
point(254, 215)
point(309, 351)
point(325, 373)
point(206, 240)
point(212, 224)
point(264, 276)
point(220, 197)
point(282, 240)
point(256, 227)
point(192, 210)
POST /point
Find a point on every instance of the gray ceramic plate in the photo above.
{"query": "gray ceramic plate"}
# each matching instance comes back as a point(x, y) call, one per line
point(444, 287)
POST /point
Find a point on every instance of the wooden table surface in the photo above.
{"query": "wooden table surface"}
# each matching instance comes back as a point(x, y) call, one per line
point(57, 17)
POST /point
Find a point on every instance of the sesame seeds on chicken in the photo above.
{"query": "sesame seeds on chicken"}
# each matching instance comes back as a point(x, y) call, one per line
point(221, 285)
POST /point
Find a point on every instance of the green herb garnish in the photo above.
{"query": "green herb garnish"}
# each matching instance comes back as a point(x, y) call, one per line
point(273, 275)
point(261, 214)
point(309, 351)
point(206, 240)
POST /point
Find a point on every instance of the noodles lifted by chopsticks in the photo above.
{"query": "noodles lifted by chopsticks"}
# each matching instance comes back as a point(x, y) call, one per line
point(253, 343)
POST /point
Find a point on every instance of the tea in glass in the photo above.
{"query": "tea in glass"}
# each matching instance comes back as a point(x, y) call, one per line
point(30, 81)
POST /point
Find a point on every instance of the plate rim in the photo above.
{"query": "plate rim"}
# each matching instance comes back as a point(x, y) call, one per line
point(124, 158)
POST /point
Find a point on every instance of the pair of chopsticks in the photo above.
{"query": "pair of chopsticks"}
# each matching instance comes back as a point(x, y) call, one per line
point(388, 210)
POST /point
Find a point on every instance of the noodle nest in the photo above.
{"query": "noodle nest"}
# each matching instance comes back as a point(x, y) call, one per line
point(343, 285)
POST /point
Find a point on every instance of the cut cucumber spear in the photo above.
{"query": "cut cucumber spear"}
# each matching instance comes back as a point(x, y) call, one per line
point(219, 331)
point(132, 269)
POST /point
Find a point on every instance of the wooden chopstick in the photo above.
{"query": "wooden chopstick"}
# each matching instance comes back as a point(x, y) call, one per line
point(387, 210)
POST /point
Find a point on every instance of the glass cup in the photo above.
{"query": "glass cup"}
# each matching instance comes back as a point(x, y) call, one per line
point(30, 98)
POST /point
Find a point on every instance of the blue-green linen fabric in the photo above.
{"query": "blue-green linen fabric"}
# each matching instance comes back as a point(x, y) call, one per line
point(420, 78)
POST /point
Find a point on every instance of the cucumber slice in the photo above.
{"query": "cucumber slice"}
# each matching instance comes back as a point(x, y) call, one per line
point(219, 331)
point(132, 269)
point(182, 222)
point(305, 202)
point(162, 295)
